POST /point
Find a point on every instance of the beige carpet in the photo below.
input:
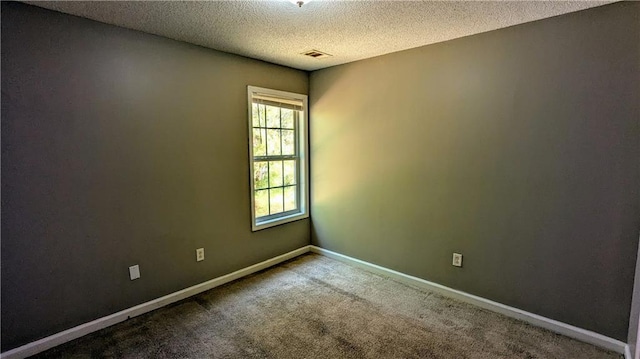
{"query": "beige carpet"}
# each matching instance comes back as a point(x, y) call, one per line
point(315, 307)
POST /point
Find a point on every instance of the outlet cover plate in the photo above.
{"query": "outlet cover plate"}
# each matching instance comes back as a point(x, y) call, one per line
point(134, 272)
point(199, 254)
point(457, 260)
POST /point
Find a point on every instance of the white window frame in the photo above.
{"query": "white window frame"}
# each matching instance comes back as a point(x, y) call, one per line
point(303, 161)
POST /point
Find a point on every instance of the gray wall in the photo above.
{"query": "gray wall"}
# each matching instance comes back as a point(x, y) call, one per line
point(121, 148)
point(517, 148)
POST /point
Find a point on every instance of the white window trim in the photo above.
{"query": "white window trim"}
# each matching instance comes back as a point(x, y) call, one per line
point(303, 153)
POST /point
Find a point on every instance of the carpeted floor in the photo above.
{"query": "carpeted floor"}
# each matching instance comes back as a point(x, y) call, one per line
point(315, 307)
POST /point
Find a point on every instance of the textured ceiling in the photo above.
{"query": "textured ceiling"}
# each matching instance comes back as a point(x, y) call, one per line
point(278, 31)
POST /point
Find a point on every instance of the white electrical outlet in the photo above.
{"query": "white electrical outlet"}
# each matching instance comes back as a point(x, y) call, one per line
point(199, 254)
point(457, 260)
point(134, 272)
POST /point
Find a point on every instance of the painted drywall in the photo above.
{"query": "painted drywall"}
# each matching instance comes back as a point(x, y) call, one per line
point(517, 148)
point(121, 148)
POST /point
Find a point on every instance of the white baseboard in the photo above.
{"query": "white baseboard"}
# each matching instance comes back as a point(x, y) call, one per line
point(534, 319)
point(90, 327)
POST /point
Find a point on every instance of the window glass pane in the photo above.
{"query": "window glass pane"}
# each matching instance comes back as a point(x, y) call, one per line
point(276, 200)
point(261, 201)
point(259, 142)
point(255, 119)
point(261, 175)
point(255, 122)
point(290, 198)
point(287, 118)
point(258, 114)
point(273, 142)
point(289, 172)
point(288, 142)
point(275, 173)
point(273, 116)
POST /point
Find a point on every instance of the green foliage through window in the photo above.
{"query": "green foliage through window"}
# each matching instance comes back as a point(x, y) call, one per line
point(275, 171)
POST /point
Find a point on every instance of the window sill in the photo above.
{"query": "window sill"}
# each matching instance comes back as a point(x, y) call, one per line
point(278, 221)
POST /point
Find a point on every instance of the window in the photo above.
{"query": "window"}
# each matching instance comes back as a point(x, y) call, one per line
point(277, 154)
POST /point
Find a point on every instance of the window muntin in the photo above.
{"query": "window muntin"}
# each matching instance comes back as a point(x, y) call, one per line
point(277, 132)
